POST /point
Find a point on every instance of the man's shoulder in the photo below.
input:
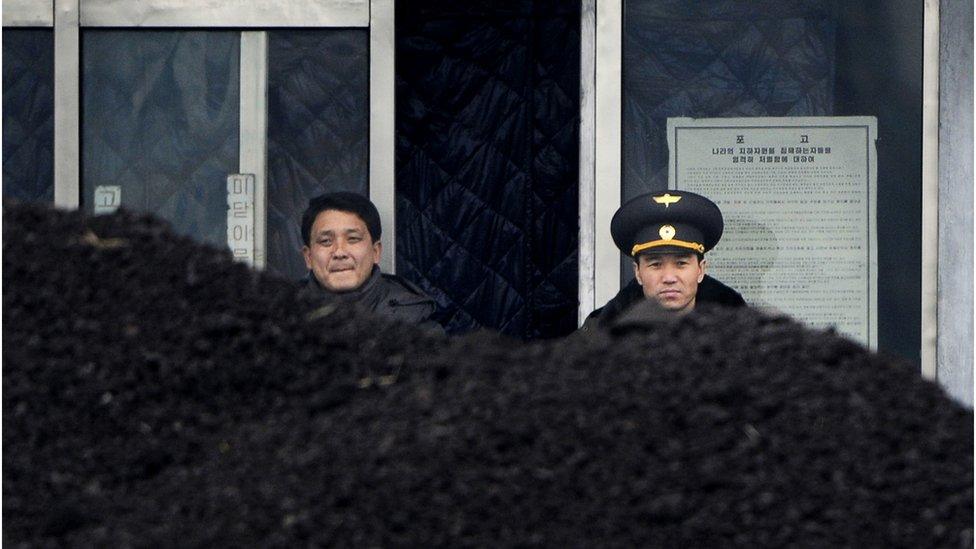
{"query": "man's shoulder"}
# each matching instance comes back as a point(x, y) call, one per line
point(403, 300)
point(403, 291)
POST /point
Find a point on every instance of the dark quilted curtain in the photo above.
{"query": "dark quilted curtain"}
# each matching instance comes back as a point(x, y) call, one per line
point(718, 59)
point(487, 161)
point(28, 114)
point(318, 129)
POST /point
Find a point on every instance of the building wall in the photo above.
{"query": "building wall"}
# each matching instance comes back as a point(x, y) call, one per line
point(955, 303)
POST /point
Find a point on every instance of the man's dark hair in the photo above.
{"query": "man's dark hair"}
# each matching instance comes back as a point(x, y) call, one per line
point(342, 202)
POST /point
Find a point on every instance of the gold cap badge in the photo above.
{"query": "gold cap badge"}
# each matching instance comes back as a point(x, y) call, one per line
point(666, 199)
point(666, 232)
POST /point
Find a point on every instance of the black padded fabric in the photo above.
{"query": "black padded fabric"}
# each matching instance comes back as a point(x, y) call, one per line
point(487, 161)
point(318, 129)
point(28, 114)
point(718, 59)
point(161, 119)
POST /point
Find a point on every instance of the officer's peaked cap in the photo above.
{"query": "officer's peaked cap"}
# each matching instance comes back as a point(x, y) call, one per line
point(669, 221)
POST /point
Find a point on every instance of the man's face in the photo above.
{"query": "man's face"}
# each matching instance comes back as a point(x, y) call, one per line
point(670, 279)
point(341, 253)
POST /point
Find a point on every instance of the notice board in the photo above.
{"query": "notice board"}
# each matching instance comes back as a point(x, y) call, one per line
point(799, 199)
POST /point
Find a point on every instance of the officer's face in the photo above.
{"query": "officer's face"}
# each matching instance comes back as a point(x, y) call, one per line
point(341, 253)
point(670, 279)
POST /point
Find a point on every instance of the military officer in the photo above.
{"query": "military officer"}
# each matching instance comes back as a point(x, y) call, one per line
point(667, 234)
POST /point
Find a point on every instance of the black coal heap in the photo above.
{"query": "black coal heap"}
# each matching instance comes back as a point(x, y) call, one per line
point(155, 393)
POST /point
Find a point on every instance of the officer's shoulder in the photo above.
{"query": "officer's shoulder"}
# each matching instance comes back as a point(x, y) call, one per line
point(627, 296)
point(713, 290)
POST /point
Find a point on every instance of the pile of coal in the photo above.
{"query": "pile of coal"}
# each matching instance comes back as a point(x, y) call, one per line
point(156, 393)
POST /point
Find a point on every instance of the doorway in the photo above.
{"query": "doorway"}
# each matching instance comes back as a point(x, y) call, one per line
point(488, 162)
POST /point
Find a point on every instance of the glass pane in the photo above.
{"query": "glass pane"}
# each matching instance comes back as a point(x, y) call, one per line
point(160, 120)
point(722, 59)
point(318, 129)
point(789, 58)
point(28, 114)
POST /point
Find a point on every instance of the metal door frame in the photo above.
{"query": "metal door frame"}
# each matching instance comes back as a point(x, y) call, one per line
point(68, 17)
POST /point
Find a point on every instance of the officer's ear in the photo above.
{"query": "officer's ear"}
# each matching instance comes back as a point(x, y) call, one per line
point(637, 271)
point(702, 264)
point(307, 254)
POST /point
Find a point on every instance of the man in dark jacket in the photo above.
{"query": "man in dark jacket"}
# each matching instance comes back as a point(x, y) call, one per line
point(342, 252)
point(667, 235)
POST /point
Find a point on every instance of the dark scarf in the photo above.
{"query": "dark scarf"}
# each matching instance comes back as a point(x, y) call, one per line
point(359, 295)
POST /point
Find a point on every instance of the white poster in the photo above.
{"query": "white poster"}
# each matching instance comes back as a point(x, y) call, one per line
point(799, 200)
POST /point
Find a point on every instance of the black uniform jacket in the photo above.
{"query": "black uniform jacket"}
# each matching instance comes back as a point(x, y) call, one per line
point(384, 294)
point(710, 291)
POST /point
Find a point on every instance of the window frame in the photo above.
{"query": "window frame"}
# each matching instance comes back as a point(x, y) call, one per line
point(68, 17)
